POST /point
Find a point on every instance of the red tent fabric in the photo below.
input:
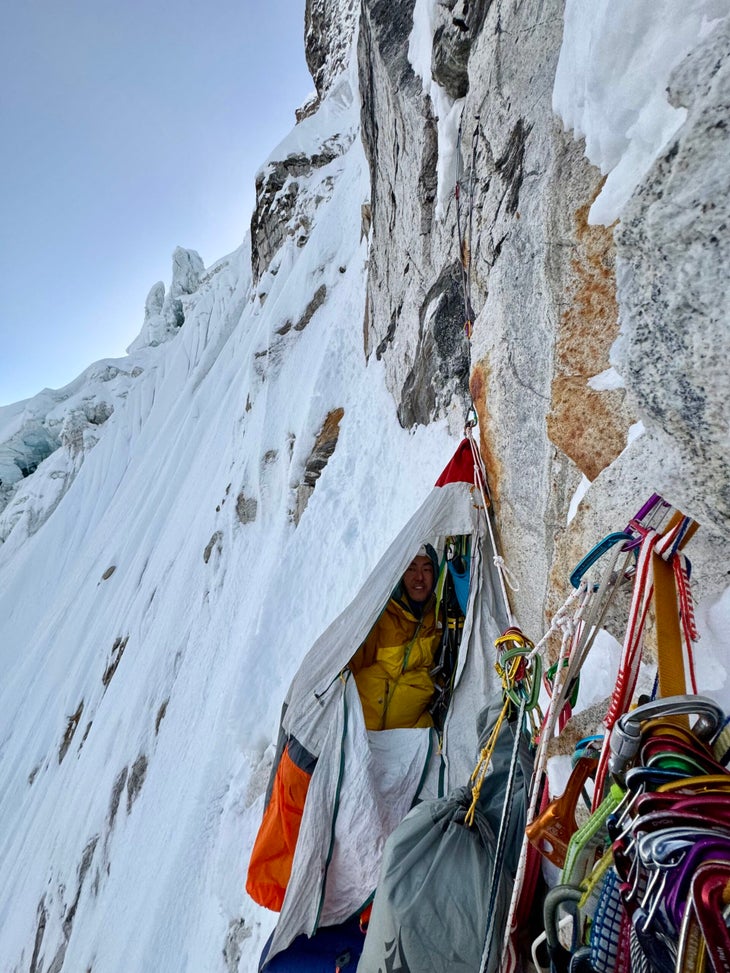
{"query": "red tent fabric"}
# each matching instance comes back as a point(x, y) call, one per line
point(460, 468)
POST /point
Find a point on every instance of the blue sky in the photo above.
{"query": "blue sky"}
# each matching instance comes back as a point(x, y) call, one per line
point(127, 129)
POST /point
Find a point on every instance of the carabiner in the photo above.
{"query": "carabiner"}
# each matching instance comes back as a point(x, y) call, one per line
point(561, 895)
point(531, 677)
point(597, 552)
point(626, 736)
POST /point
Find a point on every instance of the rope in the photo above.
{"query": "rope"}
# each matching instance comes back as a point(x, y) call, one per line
point(465, 253)
point(558, 621)
point(462, 251)
point(512, 671)
point(502, 839)
point(483, 763)
point(579, 629)
point(570, 626)
point(587, 622)
point(607, 926)
point(480, 479)
point(464, 243)
point(510, 579)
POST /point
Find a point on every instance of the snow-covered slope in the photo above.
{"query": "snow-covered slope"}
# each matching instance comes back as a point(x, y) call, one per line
point(150, 626)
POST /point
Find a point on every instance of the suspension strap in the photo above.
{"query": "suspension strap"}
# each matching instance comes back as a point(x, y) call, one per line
point(682, 569)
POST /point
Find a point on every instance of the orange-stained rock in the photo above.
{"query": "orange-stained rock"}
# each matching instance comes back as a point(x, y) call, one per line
point(589, 426)
point(488, 440)
point(324, 447)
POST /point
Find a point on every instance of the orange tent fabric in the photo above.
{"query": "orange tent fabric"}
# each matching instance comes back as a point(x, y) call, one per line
point(273, 851)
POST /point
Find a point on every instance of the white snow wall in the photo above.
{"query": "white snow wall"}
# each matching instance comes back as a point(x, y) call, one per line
point(152, 616)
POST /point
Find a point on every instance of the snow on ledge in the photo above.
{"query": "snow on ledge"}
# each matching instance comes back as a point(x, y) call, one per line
point(575, 500)
point(606, 381)
point(611, 83)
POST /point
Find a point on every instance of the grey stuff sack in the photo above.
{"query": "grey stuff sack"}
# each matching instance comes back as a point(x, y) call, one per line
point(430, 913)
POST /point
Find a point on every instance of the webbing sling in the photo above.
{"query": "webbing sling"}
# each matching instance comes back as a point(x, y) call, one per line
point(670, 658)
point(655, 564)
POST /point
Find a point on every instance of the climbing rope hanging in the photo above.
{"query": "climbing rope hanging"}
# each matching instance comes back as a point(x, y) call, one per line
point(517, 664)
point(520, 672)
point(464, 237)
point(506, 578)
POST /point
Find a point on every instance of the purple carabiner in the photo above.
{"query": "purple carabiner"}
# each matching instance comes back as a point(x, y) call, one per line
point(635, 522)
point(716, 846)
point(707, 894)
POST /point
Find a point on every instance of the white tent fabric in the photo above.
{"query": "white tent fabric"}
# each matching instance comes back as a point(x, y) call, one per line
point(451, 509)
point(475, 680)
point(355, 800)
point(364, 783)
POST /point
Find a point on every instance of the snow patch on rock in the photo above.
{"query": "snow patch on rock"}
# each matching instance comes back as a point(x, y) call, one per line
point(611, 84)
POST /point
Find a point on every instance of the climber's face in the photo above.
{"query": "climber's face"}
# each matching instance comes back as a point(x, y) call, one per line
point(418, 579)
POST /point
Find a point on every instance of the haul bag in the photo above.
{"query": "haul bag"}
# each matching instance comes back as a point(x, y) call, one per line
point(430, 909)
point(432, 905)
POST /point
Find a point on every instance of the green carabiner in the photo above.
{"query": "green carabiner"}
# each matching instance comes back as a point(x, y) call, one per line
point(533, 673)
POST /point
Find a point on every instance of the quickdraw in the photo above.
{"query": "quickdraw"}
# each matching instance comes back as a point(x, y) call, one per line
point(645, 882)
point(661, 826)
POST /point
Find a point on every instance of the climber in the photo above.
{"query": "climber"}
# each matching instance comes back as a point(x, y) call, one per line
point(392, 666)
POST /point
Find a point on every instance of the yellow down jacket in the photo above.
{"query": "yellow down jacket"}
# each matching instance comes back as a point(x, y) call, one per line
point(392, 666)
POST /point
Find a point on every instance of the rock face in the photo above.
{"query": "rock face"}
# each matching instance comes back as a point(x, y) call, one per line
point(324, 446)
point(415, 320)
point(280, 212)
point(540, 284)
point(328, 31)
point(460, 24)
point(523, 193)
point(673, 255)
